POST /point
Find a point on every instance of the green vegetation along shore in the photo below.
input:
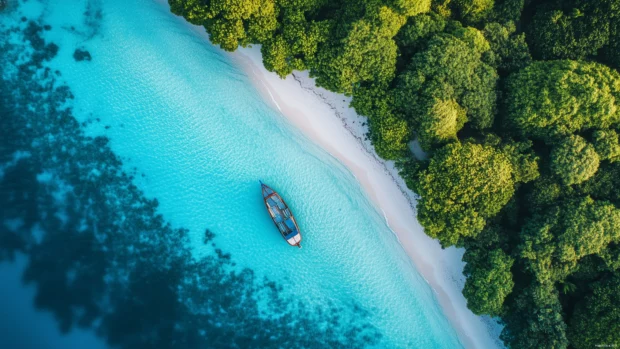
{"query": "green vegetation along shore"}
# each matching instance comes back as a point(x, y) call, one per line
point(516, 102)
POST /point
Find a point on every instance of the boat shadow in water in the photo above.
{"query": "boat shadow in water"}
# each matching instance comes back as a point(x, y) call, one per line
point(101, 256)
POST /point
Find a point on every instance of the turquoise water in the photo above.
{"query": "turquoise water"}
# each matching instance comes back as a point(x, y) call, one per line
point(188, 129)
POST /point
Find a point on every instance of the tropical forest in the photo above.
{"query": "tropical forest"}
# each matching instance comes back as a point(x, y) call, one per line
point(516, 104)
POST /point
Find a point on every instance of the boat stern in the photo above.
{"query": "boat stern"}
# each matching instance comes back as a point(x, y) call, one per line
point(294, 240)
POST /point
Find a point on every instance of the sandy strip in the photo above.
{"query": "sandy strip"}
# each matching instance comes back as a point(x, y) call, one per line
point(325, 118)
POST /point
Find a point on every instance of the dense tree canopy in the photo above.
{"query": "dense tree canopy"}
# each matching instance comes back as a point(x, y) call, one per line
point(555, 241)
point(509, 51)
point(534, 319)
point(574, 160)
point(607, 145)
point(366, 54)
point(597, 317)
point(574, 29)
point(473, 10)
point(463, 186)
point(550, 98)
point(447, 84)
point(517, 105)
point(489, 280)
point(231, 23)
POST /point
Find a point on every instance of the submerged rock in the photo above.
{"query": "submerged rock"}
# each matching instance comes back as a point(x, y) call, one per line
point(3, 4)
point(81, 55)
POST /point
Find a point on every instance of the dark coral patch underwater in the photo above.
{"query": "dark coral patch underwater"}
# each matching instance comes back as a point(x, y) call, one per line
point(101, 256)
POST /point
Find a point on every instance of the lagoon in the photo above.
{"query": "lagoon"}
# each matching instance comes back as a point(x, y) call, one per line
point(189, 129)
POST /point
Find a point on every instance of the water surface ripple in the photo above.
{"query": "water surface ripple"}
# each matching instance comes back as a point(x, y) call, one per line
point(130, 155)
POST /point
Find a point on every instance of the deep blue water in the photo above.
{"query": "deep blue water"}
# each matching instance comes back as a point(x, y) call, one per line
point(130, 203)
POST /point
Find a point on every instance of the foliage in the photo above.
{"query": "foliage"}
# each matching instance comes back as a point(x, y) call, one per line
point(449, 74)
point(570, 32)
point(506, 11)
point(597, 317)
point(605, 185)
point(546, 191)
point(607, 145)
point(472, 11)
point(295, 47)
point(411, 7)
point(463, 186)
point(610, 53)
point(414, 36)
point(509, 51)
point(409, 169)
point(555, 241)
point(534, 319)
point(440, 123)
point(231, 23)
point(390, 136)
point(523, 159)
point(390, 132)
point(574, 160)
point(489, 280)
point(366, 54)
point(553, 98)
point(523, 168)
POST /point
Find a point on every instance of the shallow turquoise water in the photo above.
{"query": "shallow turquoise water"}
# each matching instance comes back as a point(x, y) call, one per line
point(197, 137)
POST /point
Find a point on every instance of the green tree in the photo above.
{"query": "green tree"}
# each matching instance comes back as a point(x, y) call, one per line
point(441, 122)
point(509, 50)
point(611, 52)
point(535, 320)
point(574, 29)
point(562, 97)
point(574, 160)
point(489, 280)
point(472, 11)
point(607, 145)
point(296, 42)
point(366, 54)
point(295, 48)
point(596, 320)
point(554, 241)
point(546, 191)
point(442, 7)
point(389, 132)
point(505, 11)
point(411, 7)
point(414, 36)
point(231, 23)
point(463, 186)
point(523, 159)
point(605, 185)
point(450, 68)
point(389, 136)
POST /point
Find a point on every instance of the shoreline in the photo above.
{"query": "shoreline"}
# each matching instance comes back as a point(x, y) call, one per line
point(326, 119)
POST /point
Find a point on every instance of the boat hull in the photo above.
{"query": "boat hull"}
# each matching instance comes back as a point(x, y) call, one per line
point(281, 216)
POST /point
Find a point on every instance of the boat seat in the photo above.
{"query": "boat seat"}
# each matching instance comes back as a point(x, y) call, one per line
point(290, 235)
point(289, 224)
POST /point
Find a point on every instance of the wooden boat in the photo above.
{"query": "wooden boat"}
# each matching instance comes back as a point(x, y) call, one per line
point(281, 216)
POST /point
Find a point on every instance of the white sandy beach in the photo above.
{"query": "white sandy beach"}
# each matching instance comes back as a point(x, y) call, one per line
point(325, 118)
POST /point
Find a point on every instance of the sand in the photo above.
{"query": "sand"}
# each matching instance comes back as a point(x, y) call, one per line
point(326, 119)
